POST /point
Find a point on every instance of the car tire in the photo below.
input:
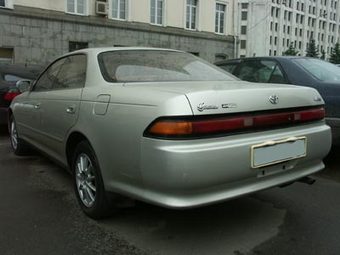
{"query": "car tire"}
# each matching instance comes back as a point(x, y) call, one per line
point(88, 183)
point(19, 146)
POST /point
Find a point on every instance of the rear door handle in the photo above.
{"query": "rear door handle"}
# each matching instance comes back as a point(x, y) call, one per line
point(71, 109)
point(36, 106)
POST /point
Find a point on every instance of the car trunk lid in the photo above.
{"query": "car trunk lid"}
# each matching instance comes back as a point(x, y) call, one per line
point(222, 97)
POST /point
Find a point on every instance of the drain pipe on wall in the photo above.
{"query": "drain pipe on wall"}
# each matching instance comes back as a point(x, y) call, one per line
point(235, 13)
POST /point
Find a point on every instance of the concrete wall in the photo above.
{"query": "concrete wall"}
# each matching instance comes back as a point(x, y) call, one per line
point(56, 5)
point(139, 11)
point(38, 36)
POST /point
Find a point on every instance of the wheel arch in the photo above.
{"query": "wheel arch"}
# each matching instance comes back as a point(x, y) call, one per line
point(73, 140)
point(9, 115)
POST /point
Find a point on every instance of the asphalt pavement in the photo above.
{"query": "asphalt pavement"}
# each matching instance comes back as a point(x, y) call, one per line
point(39, 215)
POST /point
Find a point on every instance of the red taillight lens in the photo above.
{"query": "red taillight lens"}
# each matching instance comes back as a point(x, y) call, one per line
point(205, 126)
point(10, 95)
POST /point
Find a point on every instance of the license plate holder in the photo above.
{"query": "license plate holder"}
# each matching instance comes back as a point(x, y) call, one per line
point(278, 151)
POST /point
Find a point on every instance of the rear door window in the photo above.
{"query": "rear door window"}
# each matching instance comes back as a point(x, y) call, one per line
point(229, 67)
point(72, 73)
point(46, 80)
point(265, 71)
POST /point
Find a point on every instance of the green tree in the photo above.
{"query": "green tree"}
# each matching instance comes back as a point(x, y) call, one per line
point(291, 51)
point(312, 51)
point(335, 54)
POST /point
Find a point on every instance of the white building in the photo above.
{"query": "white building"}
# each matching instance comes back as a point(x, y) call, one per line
point(39, 30)
point(269, 27)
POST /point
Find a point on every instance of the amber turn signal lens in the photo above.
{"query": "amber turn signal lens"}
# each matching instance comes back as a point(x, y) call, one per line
point(165, 128)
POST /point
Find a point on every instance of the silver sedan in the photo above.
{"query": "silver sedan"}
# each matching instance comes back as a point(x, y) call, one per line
point(166, 127)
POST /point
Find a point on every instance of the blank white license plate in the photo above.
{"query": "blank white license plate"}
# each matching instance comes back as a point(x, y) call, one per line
point(274, 152)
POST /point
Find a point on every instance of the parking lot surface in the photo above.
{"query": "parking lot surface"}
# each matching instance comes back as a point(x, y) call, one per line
point(39, 215)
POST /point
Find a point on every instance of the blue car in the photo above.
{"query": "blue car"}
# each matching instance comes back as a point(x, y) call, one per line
point(295, 70)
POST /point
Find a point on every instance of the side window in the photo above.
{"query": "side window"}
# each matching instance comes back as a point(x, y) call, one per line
point(45, 82)
point(270, 72)
point(247, 71)
point(265, 71)
point(230, 68)
point(72, 74)
point(11, 77)
point(277, 76)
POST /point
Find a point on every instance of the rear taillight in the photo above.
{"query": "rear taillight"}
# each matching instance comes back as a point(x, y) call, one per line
point(202, 126)
point(11, 94)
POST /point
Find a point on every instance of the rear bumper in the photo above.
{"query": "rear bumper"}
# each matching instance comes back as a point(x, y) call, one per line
point(182, 174)
point(3, 115)
point(201, 197)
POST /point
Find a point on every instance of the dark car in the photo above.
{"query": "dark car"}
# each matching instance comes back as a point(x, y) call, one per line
point(310, 72)
point(10, 75)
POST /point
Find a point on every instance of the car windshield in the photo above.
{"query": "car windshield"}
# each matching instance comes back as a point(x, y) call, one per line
point(157, 65)
point(11, 78)
point(320, 69)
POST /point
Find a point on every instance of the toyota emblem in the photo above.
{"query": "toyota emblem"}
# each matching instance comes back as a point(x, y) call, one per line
point(274, 99)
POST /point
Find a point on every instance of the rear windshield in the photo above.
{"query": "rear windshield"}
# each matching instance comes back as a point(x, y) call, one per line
point(320, 69)
point(157, 65)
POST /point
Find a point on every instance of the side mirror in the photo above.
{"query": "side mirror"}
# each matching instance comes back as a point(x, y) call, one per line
point(23, 85)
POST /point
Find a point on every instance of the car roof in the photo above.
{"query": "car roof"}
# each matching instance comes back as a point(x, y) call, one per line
point(238, 60)
point(105, 49)
point(22, 70)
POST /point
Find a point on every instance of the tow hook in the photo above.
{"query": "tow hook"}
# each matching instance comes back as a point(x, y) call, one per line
point(307, 180)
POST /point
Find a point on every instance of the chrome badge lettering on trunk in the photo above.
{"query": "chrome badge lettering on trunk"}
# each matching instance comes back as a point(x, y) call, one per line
point(202, 107)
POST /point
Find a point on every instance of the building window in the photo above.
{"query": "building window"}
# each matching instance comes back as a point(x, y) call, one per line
point(244, 5)
point(2, 3)
point(157, 9)
point(244, 15)
point(220, 18)
point(6, 55)
point(197, 54)
point(76, 6)
point(243, 44)
point(191, 20)
point(243, 30)
point(72, 46)
point(119, 9)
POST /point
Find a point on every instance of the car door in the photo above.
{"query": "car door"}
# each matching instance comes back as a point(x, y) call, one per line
point(60, 106)
point(28, 111)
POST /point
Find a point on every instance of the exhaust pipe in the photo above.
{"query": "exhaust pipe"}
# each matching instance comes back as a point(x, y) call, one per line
point(307, 180)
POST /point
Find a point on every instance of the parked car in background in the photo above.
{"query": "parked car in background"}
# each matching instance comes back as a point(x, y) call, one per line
point(310, 72)
point(12, 78)
point(168, 128)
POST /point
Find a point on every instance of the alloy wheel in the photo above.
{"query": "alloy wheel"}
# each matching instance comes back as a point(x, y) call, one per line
point(85, 180)
point(14, 135)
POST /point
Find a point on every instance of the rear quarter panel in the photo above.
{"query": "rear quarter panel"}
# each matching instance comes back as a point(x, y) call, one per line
point(117, 135)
